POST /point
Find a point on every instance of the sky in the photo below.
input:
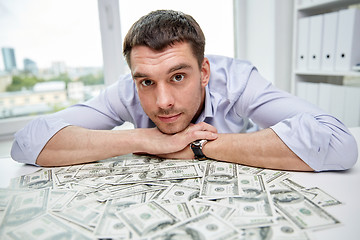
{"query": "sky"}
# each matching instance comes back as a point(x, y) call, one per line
point(47, 31)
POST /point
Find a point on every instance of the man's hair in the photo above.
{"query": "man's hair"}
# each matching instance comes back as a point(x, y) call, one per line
point(162, 28)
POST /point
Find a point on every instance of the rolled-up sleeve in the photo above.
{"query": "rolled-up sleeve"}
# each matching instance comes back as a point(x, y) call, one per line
point(30, 140)
point(319, 139)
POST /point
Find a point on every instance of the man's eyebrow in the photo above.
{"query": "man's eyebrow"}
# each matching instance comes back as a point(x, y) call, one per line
point(173, 69)
point(139, 75)
point(179, 67)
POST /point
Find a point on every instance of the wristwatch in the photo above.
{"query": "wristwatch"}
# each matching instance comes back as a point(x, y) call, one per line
point(197, 147)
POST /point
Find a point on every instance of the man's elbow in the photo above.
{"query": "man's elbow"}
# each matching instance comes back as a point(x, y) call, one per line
point(19, 155)
point(349, 152)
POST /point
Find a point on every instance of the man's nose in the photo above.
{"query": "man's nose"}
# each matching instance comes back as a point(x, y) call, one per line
point(164, 98)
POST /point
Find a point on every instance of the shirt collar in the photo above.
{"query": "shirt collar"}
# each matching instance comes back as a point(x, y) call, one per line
point(208, 109)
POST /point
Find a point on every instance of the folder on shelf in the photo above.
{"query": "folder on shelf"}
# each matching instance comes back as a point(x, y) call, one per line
point(352, 106)
point(331, 99)
point(302, 44)
point(315, 42)
point(308, 91)
point(348, 38)
point(329, 41)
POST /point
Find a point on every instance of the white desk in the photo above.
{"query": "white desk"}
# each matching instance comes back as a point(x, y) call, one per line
point(341, 185)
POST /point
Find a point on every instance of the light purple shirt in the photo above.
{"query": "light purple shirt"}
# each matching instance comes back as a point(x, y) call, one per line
point(236, 93)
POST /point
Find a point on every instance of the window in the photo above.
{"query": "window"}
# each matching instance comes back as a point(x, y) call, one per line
point(47, 46)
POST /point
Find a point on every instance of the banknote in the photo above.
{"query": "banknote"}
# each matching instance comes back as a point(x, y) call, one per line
point(147, 219)
point(299, 209)
point(320, 197)
point(254, 208)
point(205, 226)
point(39, 179)
point(59, 198)
point(124, 191)
point(200, 206)
point(46, 227)
point(269, 175)
point(24, 207)
point(315, 194)
point(181, 210)
point(180, 193)
point(83, 215)
point(220, 180)
point(6, 195)
point(167, 173)
point(110, 226)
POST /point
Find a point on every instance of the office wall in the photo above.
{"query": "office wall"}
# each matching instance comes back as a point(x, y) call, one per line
point(265, 35)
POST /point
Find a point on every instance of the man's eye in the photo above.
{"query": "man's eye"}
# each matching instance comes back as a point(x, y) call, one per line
point(178, 77)
point(147, 83)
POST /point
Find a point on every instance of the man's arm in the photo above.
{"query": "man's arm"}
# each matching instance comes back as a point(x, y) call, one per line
point(75, 145)
point(259, 149)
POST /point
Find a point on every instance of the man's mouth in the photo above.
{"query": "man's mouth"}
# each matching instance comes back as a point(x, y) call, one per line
point(169, 118)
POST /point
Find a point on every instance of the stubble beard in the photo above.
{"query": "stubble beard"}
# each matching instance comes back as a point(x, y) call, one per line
point(171, 128)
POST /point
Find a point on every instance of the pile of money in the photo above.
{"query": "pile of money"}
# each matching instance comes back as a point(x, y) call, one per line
point(143, 197)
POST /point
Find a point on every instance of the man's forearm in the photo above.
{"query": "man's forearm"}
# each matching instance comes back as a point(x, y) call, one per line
point(260, 149)
point(75, 145)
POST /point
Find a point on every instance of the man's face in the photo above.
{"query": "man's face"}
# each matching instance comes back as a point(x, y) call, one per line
point(170, 85)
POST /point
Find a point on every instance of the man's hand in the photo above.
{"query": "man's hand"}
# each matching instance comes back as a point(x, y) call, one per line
point(176, 145)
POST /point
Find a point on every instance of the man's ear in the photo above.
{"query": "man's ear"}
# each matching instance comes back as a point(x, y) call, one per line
point(205, 72)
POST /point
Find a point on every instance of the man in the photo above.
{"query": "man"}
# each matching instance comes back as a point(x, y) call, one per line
point(175, 96)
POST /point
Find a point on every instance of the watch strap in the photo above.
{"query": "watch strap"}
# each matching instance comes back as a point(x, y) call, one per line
point(197, 147)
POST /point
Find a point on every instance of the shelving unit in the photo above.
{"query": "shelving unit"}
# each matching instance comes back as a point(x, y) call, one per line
point(311, 84)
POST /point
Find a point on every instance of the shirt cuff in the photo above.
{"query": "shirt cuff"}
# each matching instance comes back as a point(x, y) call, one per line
point(306, 137)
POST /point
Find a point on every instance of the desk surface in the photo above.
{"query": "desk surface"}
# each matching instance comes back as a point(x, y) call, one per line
point(341, 185)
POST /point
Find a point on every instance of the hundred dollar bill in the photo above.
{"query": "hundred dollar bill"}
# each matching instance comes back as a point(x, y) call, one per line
point(39, 179)
point(82, 215)
point(60, 198)
point(220, 180)
point(269, 175)
point(319, 197)
point(46, 227)
point(6, 195)
point(179, 172)
point(23, 208)
point(205, 226)
point(128, 191)
point(315, 194)
point(282, 230)
point(200, 206)
point(180, 193)
point(299, 209)
point(181, 210)
point(110, 226)
point(254, 207)
point(147, 219)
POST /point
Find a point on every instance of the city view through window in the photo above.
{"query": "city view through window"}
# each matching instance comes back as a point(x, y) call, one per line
point(50, 55)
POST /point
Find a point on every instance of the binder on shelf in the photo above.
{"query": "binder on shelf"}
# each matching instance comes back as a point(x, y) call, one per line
point(315, 42)
point(332, 99)
point(308, 91)
point(329, 41)
point(302, 43)
point(352, 103)
point(348, 38)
